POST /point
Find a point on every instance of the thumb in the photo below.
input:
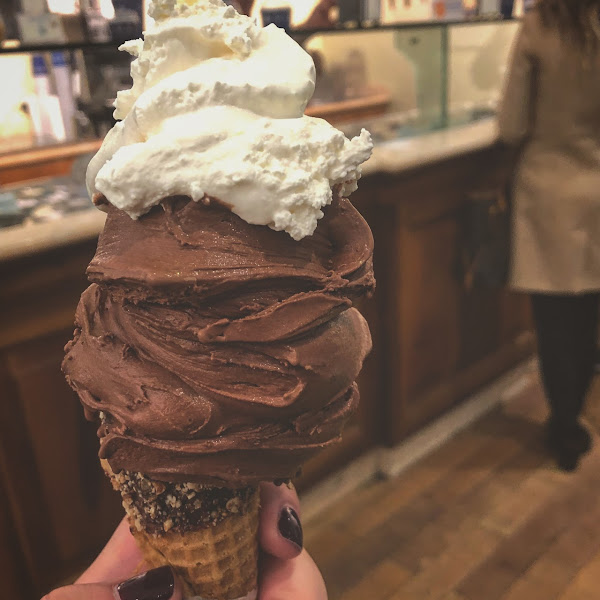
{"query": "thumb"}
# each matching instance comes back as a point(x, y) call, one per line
point(157, 584)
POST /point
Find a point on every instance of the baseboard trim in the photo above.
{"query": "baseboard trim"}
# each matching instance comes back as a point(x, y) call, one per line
point(398, 459)
point(390, 462)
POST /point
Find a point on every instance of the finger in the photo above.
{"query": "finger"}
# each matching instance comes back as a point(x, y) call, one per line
point(119, 560)
point(157, 584)
point(298, 578)
point(280, 530)
point(88, 591)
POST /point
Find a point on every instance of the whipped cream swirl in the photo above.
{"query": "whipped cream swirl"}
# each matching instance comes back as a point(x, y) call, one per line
point(216, 110)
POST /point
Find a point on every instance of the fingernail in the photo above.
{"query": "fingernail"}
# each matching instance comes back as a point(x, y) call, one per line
point(289, 526)
point(157, 584)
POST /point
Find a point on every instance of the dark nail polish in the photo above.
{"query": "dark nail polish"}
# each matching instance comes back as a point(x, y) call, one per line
point(157, 584)
point(289, 526)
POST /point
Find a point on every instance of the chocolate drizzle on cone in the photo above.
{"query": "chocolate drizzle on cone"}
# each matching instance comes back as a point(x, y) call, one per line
point(157, 507)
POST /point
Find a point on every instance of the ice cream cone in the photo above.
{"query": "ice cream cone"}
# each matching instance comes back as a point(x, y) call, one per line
point(208, 537)
point(219, 343)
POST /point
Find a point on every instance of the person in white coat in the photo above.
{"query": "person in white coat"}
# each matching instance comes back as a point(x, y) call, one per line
point(551, 110)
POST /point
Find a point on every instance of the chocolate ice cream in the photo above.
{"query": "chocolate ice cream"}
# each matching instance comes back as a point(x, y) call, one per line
point(216, 351)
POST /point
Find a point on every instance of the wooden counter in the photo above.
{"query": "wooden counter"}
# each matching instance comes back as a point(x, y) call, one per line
point(437, 340)
point(49, 161)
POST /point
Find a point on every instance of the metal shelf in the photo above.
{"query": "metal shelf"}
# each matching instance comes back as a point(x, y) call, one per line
point(295, 33)
point(53, 47)
point(399, 26)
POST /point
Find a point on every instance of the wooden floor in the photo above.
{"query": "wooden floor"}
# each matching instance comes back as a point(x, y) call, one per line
point(486, 517)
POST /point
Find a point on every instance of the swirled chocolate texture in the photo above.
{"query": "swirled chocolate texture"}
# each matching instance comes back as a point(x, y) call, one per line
point(219, 352)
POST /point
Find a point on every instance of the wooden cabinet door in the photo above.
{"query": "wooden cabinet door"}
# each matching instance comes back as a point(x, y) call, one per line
point(15, 583)
point(62, 505)
point(446, 340)
point(428, 323)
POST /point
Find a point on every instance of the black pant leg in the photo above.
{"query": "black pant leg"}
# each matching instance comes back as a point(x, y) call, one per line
point(553, 318)
point(586, 342)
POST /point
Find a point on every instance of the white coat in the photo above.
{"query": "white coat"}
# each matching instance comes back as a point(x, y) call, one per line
point(551, 106)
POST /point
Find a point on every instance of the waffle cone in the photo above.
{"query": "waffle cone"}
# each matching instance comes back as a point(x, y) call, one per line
point(214, 561)
point(217, 562)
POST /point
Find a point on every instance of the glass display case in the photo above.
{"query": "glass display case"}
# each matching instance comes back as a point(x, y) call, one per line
point(403, 81)
point(397, 80)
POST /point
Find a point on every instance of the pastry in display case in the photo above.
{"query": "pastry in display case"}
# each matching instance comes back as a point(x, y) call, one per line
point(42, 202)
point(324, 16)
point(8, 17)
point(343, 92)
point(402, 11)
